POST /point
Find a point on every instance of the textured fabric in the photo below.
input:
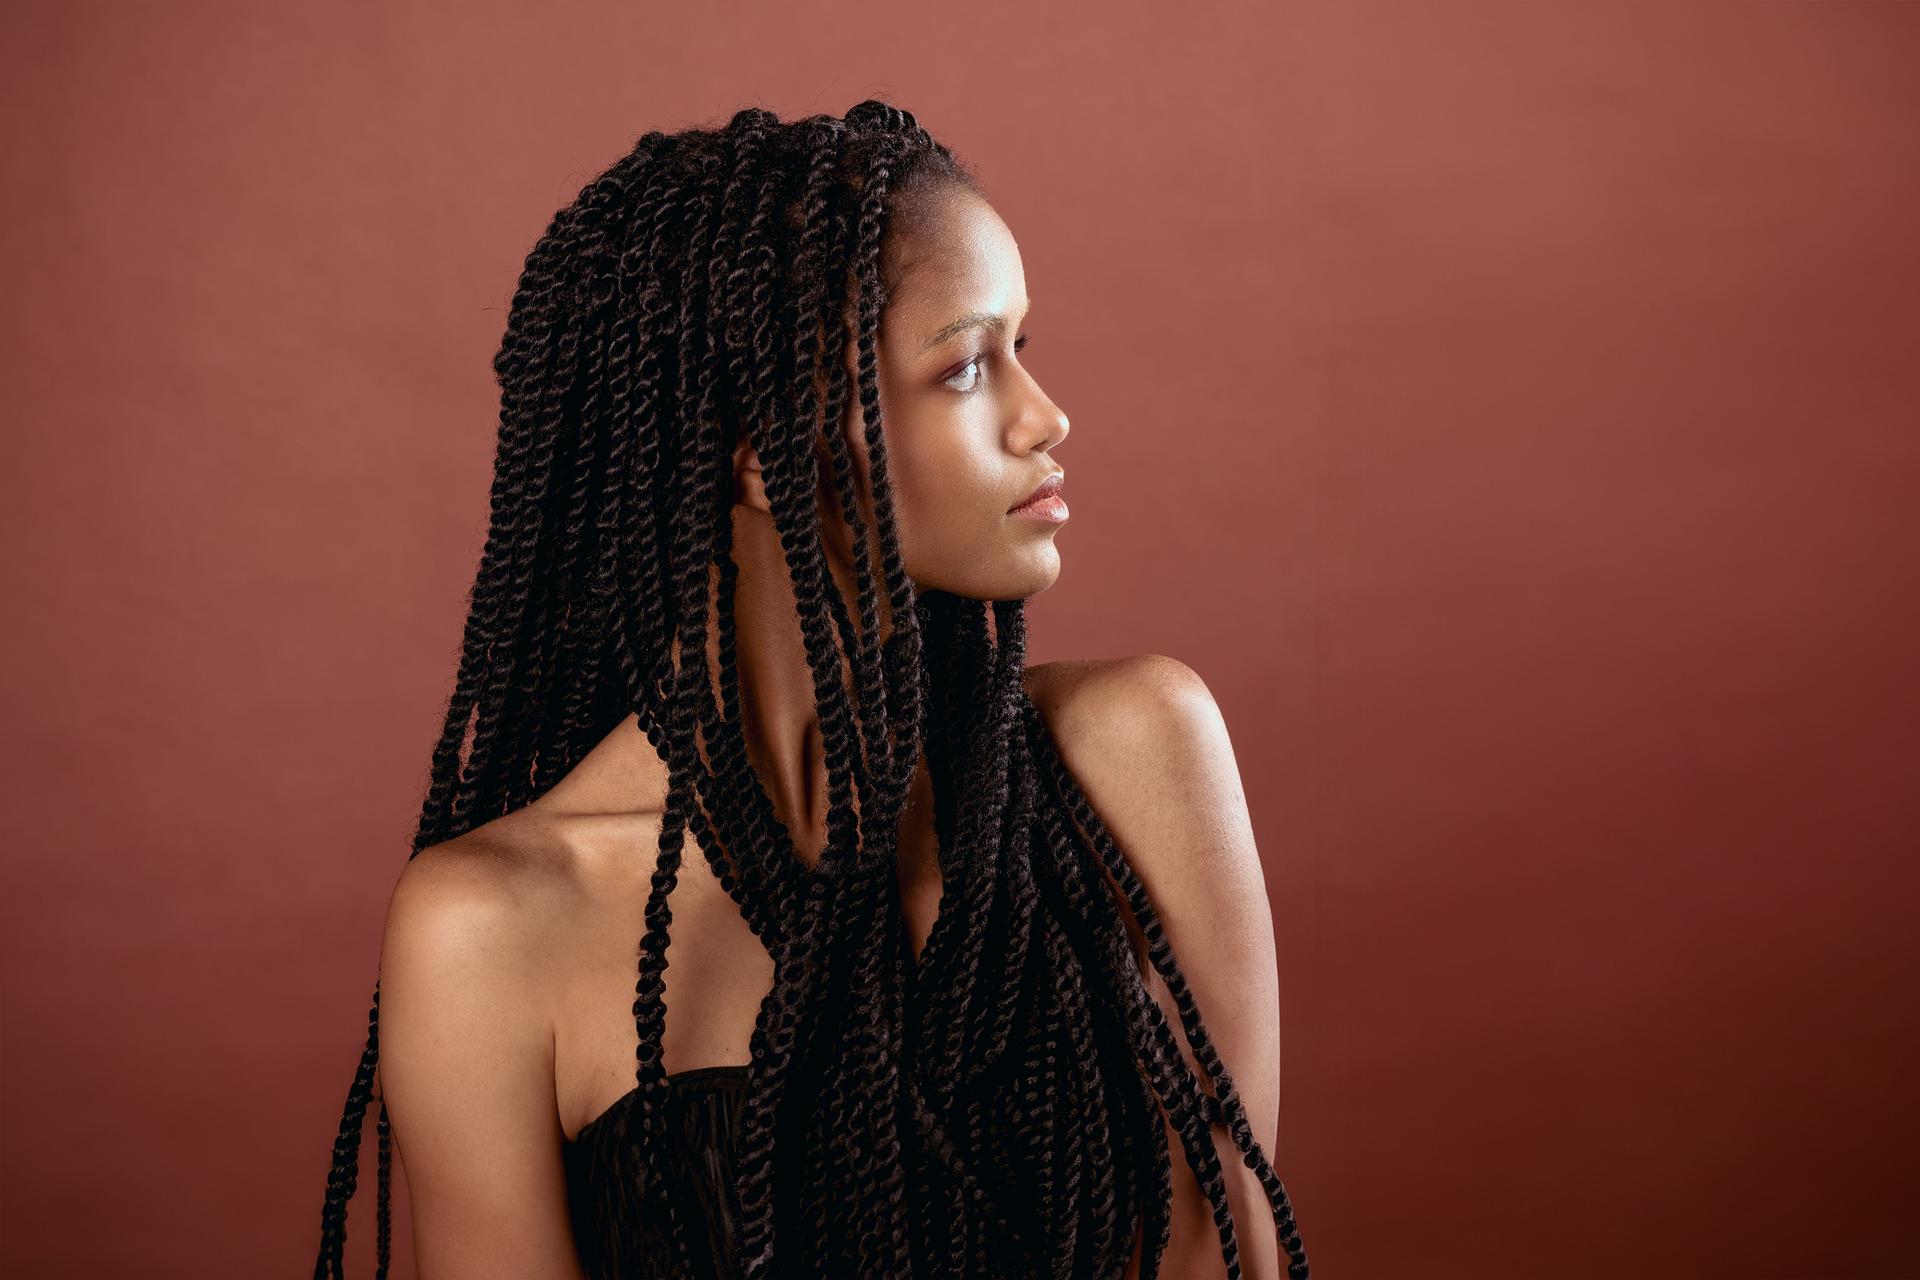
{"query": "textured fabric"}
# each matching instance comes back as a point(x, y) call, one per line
point(622, 1236)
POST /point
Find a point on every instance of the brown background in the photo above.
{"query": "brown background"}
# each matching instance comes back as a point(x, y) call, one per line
point(1509, 410)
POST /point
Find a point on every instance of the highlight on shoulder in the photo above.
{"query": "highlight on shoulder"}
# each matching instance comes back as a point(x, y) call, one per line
point(479, 904)
point(1080, 694)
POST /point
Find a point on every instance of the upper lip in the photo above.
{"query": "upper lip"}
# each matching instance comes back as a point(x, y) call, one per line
point(1048, 487)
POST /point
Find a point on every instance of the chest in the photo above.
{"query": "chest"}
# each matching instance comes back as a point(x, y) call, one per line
point(717, 977)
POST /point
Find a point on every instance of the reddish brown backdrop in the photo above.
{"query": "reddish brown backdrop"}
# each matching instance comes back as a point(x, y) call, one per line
point(1509, 410)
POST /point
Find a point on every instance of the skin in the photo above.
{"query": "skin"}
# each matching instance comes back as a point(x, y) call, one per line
point(508, 961)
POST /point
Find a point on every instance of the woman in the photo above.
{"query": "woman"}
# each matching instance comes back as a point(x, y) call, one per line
point(922, 1002)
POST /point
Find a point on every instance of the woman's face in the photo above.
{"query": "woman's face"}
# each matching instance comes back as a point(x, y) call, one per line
point(968, 431)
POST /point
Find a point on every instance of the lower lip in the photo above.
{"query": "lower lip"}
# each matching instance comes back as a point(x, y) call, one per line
point(1052, 509)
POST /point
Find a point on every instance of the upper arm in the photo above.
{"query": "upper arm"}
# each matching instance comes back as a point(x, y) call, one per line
point(1149, 748)
point(466, 1067)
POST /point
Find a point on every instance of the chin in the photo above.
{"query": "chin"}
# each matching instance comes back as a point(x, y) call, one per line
point(1038, 582)
point(990, 569)
point(1018, 583)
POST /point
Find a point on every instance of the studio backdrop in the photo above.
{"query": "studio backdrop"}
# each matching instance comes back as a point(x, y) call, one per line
point(1509, 411)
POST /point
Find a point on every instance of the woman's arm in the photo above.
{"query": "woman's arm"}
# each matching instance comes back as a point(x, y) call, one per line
point(1146, 741)
point(466, 1063)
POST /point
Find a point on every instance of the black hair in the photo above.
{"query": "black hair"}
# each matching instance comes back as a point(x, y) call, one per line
point(994, 1108)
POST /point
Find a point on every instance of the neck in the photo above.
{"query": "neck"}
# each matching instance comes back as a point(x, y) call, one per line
point(783, 734)
point(784, 741)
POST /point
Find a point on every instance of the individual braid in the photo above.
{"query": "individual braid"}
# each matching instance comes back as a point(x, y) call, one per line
point(694, 519)
point(516, 365)
point(998, 1105)
point(343, 1176)
point(1229, 1109)
point(570, 646)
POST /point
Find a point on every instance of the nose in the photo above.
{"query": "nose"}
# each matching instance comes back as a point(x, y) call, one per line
point(1056, 425)
point(1044, 425)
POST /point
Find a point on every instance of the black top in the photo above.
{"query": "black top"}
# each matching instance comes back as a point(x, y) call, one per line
point(622, 1237)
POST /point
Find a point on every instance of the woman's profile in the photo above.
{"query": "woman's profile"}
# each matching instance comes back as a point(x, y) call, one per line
point(767, 914)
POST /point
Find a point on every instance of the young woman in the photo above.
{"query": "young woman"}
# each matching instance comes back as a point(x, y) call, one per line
point(745, 668)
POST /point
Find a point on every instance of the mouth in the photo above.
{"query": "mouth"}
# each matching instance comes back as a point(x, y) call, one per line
point(1048, 488)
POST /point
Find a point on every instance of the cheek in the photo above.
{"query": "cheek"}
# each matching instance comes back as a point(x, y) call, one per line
point(941, 497)
point(945, 497)
point(947, 485)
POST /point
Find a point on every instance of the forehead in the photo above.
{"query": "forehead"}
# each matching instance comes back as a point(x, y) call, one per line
point(959, 257)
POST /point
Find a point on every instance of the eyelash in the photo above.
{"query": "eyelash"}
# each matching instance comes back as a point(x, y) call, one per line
point(1019, 344)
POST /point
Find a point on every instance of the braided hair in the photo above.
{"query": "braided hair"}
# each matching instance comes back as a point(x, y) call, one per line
point(997, 1106)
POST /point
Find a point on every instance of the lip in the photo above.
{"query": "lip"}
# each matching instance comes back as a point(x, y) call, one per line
point(1048, 488)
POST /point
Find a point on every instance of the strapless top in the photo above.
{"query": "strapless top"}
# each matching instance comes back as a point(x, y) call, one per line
point(624, 1237)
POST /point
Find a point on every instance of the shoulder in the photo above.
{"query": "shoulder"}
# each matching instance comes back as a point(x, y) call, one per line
point(1081, 692)
point(1143, 730)
point(1147, 745)
point(471, 920)
point(466, 1053)
point(481, 891)
point(465, 990)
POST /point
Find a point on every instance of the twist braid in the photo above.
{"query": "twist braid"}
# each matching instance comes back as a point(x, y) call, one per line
point(997, 1105)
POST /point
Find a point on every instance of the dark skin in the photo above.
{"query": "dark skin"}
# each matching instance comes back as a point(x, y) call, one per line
point(508, 963)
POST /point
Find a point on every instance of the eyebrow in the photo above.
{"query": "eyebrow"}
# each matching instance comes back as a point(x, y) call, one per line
point(972, 320)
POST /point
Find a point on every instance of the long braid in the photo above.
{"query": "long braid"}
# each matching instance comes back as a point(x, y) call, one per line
point(902, 658)
point(492, 789)
point(745, 809)
point(595, 695)
point(998, 1105)
point(788, 466)
point(862, 1104)
point(1066, 885)
point(576, 643)
point(344, 1175)
point(702, 483)
point(1226, 1104)
point(523, 342)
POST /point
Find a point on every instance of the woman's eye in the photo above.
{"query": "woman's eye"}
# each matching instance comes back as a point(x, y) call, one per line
point(973, 367)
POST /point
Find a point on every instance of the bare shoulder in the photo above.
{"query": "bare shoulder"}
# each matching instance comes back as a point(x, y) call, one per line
point(1142, 675)
point(1123, 720)
point(1146, 742)
point(463, 942)
point(469, 955)
point(480, 894)
point(1148, 747)
point(466, 1059)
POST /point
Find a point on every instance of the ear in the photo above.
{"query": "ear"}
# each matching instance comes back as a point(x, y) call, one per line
point(749, 485)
